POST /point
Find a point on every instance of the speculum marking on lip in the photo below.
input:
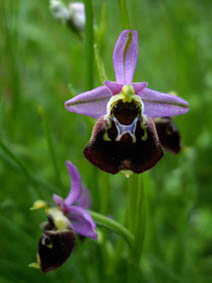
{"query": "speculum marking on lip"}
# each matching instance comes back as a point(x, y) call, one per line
point(126, 112)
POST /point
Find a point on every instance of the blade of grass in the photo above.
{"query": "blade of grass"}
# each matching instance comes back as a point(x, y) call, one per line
point(125, 23)
point(50, 145)
point(100, 66)
point(33, 180)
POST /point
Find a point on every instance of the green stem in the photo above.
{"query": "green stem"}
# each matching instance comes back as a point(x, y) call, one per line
point(140, 221)
point(132, 192)
point(125, 23)
point(50, 146)
point(114, 226)
point(104, 203)
point(119, 247)
point(136, 224)
point(132, 198)
point(105, 192)
point(89, 45)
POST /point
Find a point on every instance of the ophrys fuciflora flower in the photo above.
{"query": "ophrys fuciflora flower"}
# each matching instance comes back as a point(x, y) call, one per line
point(125, 137)
point(66, 218)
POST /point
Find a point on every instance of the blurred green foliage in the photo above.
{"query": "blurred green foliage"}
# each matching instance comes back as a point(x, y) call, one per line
point(40, 57)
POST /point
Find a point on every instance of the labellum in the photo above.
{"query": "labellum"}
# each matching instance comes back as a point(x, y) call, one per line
point(124, 139)
point(168, 134)
point(55, 246)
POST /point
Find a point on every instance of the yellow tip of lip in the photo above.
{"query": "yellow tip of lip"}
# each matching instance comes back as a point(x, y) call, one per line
point(34, 265)
point(173, 93)
point(126, 173)
point(38, 204)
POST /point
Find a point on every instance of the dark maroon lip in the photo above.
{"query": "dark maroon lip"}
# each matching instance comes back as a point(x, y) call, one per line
point(54, 246)
point(113, 155)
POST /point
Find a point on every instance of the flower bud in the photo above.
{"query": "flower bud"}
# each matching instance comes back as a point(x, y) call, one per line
point(59, 11)
point(73, 14)
point(77, 15)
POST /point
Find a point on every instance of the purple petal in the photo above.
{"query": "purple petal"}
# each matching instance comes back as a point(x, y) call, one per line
point(82, 222)
point(117, 87)
point(125, 56)
point(76, 184)
point(84, 200)
point(91, 103)
point(61, 203)
point(158, 104)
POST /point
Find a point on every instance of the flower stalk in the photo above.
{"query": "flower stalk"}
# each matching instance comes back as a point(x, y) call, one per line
point(140, 220)
point(136, 224)
point(132, 196)
point(114, 226)
point(104, 204)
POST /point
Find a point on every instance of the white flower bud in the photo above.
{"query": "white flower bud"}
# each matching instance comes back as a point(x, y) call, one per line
point(74, 13)
point(77, 14)
point(59, 11)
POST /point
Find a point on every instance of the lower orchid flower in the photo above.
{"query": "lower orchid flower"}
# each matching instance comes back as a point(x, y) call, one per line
point(124, 137)
point(68, 217)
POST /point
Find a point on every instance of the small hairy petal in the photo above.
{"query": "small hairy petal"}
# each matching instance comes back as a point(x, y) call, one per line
point(91, 103)
point(76, 184)
point(117, 87)
point(82, 222)
point(58, 199)
point(158, 104)
point(125, 56)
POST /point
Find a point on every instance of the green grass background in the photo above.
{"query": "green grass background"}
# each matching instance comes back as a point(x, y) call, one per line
point(39, 58)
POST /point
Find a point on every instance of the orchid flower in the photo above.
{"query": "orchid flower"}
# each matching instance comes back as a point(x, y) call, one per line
point(124, 137)
point(64, 220)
